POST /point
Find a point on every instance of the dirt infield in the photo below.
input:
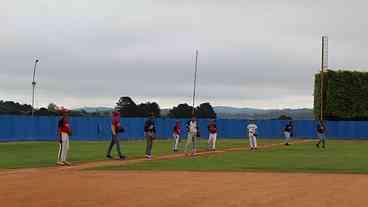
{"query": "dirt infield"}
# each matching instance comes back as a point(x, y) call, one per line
point(68, 186)
point(161, 189)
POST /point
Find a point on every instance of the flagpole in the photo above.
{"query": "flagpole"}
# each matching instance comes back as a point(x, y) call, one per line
point(34, 85)
point(195, 80)
point(323, 67)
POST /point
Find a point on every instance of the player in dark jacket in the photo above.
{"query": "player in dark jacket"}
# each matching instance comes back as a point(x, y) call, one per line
point(321, 134)
point(150, 135)
point(288, 132)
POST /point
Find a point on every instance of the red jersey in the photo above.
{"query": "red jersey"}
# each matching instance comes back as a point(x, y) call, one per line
point(212, 128)
point(176, 129)
point(64, 126)
point(116, 122)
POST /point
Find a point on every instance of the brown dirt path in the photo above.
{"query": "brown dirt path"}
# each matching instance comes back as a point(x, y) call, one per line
point(168, 189)
point(60, 187)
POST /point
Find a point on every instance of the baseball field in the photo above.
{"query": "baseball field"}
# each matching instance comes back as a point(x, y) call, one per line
point(275, 175)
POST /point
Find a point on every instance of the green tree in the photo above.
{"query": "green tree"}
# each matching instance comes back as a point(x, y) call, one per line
point(148, 108)
point(52, 107)
point(284, 117)
point(345, 95)
point(10, 107)
point(181, 111)
point(45, 112)
point(205, 110)
point(127, 107)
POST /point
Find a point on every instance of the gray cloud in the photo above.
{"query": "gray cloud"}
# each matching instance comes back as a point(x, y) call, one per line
point(252, 53)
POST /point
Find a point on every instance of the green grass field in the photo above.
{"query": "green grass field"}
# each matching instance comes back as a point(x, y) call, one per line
point(339, 157)
point(43, 154)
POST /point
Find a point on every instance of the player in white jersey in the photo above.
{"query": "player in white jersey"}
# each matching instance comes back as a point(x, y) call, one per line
point(192, 136)
point(252, 133)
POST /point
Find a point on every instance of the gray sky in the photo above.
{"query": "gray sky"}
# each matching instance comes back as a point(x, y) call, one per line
point(252, 53)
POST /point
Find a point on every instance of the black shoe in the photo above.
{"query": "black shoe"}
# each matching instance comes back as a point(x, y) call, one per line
point(323, 146)
point(108, 156)
point(317, 145)
point(287, 144)
point(123, 157)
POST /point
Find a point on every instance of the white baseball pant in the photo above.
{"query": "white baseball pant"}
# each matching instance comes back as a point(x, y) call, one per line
point(252, 141)
point(63, 147)
point(176, 140)
point(212, 141)
point(287, 136)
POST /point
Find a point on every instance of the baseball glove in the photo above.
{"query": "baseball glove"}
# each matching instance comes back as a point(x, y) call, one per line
point(121, 130)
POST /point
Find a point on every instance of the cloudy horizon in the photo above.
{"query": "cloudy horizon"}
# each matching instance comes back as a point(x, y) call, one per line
point(258, 54)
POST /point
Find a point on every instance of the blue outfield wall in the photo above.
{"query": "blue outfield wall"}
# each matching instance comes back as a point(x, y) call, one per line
point(17, 128)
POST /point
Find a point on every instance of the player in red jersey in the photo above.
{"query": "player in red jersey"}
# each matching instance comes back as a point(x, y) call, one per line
point(176, 135)
point(212, 129)
point(64, 132)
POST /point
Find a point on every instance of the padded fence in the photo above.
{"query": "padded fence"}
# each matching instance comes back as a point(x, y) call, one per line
point(21, 128)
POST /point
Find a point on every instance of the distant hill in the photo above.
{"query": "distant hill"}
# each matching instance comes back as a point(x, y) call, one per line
point(94, 109)
point(234, 110)
point(253, 113)
point(227, 112)
point(165, 112)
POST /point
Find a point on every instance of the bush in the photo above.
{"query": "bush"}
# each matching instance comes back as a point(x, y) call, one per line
point(346, 95)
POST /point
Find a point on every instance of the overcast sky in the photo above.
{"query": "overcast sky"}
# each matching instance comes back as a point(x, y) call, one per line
point(251, 53)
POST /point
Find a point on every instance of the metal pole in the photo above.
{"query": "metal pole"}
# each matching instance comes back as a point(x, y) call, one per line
point(34, 85)
point(195, 80)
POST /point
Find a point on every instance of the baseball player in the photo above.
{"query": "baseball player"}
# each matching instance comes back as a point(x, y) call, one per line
point(288, 132)
point(321, 134)
point(150, 135)
point(192, 135)
point(115, 129)
point(252, 133)
point(64, 131)
point(176, 135)
point(212, 129)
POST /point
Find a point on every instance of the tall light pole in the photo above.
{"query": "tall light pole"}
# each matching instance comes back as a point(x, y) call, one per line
point(195, 80)
point(34, 84)
point(324, 67)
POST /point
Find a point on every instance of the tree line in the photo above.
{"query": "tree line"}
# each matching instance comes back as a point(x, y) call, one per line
point(128, 108)
point(14, 108)
point(125, 105)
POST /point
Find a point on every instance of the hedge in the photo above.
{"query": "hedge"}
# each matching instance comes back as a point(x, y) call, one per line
point(346, 95)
